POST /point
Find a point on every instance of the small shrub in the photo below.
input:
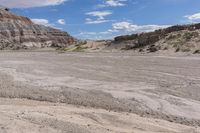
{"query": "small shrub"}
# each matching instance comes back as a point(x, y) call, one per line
point(190, 35)
point(141, 50)
point(185, 50)
point(178, 42)
point(129, 47)
point(170, 37)
point(152, 49)
point(79, 49)
point(177, 49)
point(81, 43)
point(165, 48)
point(196, 52)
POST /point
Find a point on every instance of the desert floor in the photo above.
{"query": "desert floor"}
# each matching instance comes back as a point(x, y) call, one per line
point(99, 92)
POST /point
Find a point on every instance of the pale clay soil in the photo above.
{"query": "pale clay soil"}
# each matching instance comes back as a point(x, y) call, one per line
point(99, 93)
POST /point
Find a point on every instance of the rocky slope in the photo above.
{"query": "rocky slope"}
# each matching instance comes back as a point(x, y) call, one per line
point(20, 32)
point(179, 38)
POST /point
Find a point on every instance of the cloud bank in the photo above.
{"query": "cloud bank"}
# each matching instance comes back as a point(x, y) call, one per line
point(128, 27)
point(193, 18)
point(99, 14)
point(100, 17)
point(121, 28)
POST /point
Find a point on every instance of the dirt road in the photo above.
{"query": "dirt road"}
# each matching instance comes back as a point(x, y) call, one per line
point(99, 92)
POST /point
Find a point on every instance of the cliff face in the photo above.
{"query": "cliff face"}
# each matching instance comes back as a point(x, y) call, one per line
point(20, 32)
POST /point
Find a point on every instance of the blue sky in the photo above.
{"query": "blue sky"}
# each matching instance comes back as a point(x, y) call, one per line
point(104, 19)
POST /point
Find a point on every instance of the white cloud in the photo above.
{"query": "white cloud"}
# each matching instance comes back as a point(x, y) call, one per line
point(99, 14)
point(100, 17)
point(90, 21)
point(193, 18)
point(112, 3)
point(115, 3)
point(128, 27)
point(44, 22)
point(61, 21)
point(121, 28)
point(87, 33)
point(30, 3)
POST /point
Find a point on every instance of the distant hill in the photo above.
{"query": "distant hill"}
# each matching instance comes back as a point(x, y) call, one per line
point(179, 38)
point(18, 32)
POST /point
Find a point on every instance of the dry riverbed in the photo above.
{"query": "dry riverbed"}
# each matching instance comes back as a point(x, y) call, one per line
point(99, 92)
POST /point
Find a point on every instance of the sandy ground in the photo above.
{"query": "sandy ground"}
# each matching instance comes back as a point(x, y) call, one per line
point(99, 92)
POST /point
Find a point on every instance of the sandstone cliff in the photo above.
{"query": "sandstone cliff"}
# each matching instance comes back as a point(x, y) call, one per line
point(20, 32)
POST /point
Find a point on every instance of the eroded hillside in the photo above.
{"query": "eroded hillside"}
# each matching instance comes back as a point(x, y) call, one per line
point(180, 38)
point(17, 32)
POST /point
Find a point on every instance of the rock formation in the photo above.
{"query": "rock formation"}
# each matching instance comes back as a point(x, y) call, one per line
point(20, 32)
